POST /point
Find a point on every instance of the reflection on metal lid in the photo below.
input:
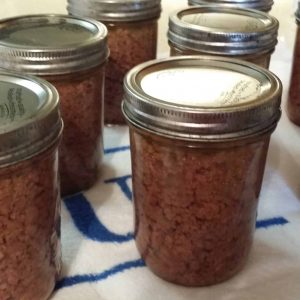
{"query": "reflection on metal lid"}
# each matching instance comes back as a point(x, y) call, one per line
point(200, 88)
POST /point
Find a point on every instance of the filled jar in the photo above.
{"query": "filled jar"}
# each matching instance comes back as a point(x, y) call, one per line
point(30, 130)
point(70, 53)
point(263, 5)
point(132, 39)
point(199, 135)
point(245, 34)
point(293, 103)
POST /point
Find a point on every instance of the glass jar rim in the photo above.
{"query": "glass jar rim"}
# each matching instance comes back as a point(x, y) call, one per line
point(116, 10)
point(203, 122)
point(31, 121)
point(194, 28)
point(85, 47)
point(263, 5)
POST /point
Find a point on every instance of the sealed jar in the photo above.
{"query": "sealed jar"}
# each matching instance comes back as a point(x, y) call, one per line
point(293, 103)
point(132, 39)
point(199, 134)
point(70, 53)
point(245, 34)
point(30, 129)
point(263, 5)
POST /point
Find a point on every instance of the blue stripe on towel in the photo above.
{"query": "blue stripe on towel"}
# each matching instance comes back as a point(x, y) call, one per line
point(88, 223)
point(77, 279)
point(279, 221)
point(122, 182)
point(79, 204)
point(116, 149)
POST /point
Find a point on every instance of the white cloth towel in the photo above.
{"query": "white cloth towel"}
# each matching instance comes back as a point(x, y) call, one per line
point(100, 260)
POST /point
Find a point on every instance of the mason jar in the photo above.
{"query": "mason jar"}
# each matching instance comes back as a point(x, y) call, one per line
point(70, 53)
point(200, 128)
point(132, 39)
point(245, 34)
point(263, 5)
point(30, 130)
point(293, 102)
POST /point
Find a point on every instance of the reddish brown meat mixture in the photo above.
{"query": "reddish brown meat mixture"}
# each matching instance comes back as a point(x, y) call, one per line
point(29, 228)
point(130, 45)
point(262, 59)
point(195, 207)
point(293, 104)
point(81, 98)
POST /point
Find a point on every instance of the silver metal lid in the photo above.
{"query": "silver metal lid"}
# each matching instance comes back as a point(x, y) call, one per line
point(221, 30)
point(30, 121)
point(202, 98)
point(51, 44)
point(263, 5)
point(116, 10)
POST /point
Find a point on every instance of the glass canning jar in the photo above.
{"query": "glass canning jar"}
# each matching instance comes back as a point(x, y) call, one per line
point(30, 129)
point(293, 103)
point(263, 5)
point(245, 34)
point(70, 53)
point(198, 154)
point(132, 39)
